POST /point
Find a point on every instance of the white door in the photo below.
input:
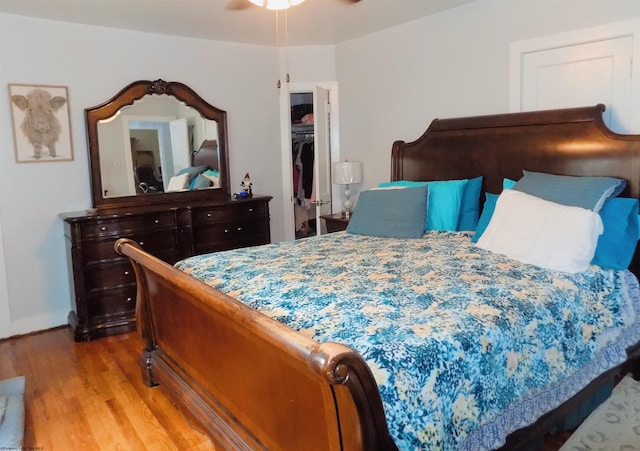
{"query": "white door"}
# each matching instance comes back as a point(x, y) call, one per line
point(322, 160)
point(577, 75)
point(179, 145)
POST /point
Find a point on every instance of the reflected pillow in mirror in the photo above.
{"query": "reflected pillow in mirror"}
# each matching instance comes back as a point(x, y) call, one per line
point(213, 176)
point(200, 182)
point(178, 182)
point(192, 171)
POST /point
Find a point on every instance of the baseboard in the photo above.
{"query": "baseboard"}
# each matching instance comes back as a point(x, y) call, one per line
point(35, 323)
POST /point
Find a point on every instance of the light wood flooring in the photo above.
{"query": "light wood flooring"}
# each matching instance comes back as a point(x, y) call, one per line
point(90, 396)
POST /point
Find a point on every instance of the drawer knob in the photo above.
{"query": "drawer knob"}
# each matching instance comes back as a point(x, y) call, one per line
point(126, 273)
point(103, 228)
point(157, 221)
point(251, 209)
point(141, 243)
point(129, 300)
point(239, 228)
point(226, 230)
point(208, 215)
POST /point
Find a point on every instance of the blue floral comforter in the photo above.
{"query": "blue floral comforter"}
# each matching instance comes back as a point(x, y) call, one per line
point(466, 346)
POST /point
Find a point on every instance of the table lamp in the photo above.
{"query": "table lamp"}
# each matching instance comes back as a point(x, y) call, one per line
point(346, 173)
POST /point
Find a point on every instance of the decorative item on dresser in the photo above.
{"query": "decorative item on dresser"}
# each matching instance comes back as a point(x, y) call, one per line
point(201, 217)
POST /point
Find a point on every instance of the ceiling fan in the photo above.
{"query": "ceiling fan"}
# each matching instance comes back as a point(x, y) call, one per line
point(236, 5)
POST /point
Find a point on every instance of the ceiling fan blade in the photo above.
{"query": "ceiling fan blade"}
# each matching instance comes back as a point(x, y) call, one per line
point(237, 5)
point(350, 1)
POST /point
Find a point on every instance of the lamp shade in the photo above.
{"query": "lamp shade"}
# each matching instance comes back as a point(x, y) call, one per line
point(346, 172)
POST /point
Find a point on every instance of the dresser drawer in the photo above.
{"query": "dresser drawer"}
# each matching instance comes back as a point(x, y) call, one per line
point(218, 237)
point(235, 212)
point(125, 225)
point(160, 244)
point(112, 303)
point(101, 277)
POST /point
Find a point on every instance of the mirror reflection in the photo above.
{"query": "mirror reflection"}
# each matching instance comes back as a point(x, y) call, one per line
point(157, 139)
point(144, 146)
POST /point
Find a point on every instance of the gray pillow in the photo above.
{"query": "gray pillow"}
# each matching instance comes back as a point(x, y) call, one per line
point(390, 213)
point(586, 192)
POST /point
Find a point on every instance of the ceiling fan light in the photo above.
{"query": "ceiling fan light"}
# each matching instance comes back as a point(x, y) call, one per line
point(276, 4)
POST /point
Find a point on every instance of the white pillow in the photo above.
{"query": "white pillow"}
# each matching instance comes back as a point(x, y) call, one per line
point(542, 233)
point(178, 182)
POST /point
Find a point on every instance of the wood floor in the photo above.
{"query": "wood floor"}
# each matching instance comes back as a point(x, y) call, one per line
point(90, 396)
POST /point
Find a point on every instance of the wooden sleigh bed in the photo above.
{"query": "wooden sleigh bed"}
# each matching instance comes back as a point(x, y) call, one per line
point(250, 382)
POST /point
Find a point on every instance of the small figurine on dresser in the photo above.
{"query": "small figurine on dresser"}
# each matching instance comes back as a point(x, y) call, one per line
point(246, 185)
point(246, 188)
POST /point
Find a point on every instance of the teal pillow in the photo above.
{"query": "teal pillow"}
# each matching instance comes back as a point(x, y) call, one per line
point(586, 192)
point(617, 244)
point(443, 204)
point(470, 205)
point(200, 182)
point(485, 217)
point(489, 207)
point(390, 213)
point(508, 183)
point(443, 201)
point(402, 183)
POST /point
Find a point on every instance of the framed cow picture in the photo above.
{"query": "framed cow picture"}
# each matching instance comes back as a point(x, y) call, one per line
point(41, 123)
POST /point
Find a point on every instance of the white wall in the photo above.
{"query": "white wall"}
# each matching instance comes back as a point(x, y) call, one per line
point(456, 63)
point(95, 63)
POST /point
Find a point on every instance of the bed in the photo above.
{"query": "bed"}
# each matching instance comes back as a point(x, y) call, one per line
point(251, 382)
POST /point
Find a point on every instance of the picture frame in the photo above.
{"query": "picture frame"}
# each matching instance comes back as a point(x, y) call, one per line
point(41, 123)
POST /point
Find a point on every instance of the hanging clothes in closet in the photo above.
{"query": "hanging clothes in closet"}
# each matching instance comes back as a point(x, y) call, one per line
point(303, 156)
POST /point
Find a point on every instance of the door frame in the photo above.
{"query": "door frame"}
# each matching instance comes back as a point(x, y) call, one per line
point(518, 49)
point(6, 328)
point(285, 139)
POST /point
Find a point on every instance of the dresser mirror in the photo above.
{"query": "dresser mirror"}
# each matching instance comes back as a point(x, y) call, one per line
point(144, 139)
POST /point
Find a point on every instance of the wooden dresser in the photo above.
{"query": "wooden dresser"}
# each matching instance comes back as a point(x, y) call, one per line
point(103, 283)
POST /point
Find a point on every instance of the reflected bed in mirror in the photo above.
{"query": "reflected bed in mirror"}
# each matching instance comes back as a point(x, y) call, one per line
point(160, 139)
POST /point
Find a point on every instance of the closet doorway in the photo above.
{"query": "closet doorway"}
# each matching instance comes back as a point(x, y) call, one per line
point(310, 160)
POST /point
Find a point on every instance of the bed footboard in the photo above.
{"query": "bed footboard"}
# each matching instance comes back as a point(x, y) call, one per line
point(248, 381)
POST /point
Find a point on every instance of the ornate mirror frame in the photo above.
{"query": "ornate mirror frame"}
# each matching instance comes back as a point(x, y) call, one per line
point(126, 97)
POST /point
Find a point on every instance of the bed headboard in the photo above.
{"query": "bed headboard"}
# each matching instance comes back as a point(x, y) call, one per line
point(207, 155)
point(573, 141)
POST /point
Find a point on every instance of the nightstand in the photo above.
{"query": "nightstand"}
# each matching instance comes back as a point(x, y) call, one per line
point(336, 222)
